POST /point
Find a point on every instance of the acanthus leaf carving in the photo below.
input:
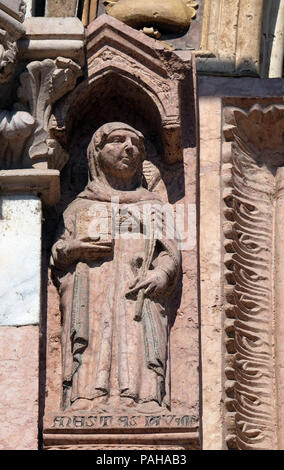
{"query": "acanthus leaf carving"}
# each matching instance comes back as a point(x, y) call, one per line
point(41, 86)
point(258, 132)
point(15, 129)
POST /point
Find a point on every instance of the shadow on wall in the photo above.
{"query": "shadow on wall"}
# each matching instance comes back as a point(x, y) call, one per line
point(269, 19)
point(39, 7)
point(227, 68)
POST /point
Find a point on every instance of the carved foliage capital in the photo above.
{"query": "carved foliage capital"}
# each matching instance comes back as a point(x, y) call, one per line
point(257, 131)
point(41, 86)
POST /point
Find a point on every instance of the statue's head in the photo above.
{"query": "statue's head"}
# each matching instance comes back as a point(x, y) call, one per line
point(116, 153)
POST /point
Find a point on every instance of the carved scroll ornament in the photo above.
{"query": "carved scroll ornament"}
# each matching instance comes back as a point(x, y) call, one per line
point(251, 197)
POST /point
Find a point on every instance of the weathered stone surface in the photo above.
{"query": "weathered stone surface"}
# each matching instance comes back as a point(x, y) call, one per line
point(166, 15)
point(253, 196)
point(41, 86)
point(46, 183)
point(19, 387)
point(231, 37)
point(61, 8)
point(29, 8)
point(54, 28)
point(53, 37)
point(210, 273)
point(119, 40)
point(20, 246)
point(15, 8)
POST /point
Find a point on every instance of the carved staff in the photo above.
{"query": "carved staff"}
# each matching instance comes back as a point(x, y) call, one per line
point(150, 248)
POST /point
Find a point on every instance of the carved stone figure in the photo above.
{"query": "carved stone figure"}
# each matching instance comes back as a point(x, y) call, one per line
point(116, 272)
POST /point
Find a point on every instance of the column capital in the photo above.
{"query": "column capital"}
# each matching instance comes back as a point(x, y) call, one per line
point(45, 183)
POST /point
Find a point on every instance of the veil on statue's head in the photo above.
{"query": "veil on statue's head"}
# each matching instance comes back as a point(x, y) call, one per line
point(98, 141)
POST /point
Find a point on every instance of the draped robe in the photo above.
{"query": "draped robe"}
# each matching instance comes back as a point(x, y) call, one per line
point(105, 351)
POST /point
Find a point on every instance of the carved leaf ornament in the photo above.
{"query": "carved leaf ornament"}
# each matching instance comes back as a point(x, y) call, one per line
point(249, 197)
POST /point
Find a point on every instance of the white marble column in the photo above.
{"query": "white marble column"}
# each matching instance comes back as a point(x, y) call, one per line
point(20, 254)
point(22, 194)
point(277, 51)
point(29, 6)
point(20, 266)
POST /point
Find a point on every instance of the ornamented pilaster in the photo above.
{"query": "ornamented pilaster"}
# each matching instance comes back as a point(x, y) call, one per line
point(253, 294)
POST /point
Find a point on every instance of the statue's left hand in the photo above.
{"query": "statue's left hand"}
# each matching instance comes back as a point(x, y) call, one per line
point(155, 284)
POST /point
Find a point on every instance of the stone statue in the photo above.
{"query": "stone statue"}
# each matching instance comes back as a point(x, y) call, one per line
point(115, 283)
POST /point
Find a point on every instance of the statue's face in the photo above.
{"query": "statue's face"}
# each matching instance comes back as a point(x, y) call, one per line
point(121, 155)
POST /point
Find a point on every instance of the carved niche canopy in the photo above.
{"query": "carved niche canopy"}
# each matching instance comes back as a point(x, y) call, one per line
point(131, 82)
point(147, 78)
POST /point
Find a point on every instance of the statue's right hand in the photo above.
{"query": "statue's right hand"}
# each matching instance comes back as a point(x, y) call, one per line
point(89, 249)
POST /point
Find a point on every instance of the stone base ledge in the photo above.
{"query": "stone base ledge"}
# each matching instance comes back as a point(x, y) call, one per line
point(91, 428)
point(45, 183)
point(190, 440)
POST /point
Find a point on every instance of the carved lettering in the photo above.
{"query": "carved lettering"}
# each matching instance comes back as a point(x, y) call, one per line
point(123, 420)
point(103, 421)
point(79, 421)
point(152, 420)
point(106, 421)
point(91, 421)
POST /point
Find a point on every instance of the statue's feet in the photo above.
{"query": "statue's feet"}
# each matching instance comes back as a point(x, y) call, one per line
point(81, 404)
point(150, 407)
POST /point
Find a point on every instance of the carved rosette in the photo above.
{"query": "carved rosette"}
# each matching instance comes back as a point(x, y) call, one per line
point(250, 208)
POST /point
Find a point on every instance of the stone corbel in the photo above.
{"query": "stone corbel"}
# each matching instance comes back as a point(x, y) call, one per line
point(11, 29)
